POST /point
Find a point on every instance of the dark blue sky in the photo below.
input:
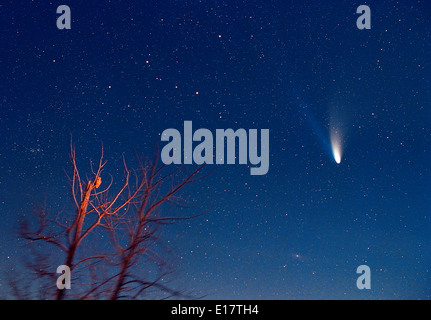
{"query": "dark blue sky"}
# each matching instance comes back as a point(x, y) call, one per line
point(127, 70)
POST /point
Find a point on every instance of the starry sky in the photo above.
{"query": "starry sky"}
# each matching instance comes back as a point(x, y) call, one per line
point(127, 70)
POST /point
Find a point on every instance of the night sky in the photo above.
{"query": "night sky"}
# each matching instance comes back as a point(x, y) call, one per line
point(128, 70)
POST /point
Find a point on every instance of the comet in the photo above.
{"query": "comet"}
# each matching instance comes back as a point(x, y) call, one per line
point(337, 150)
point(332, 141)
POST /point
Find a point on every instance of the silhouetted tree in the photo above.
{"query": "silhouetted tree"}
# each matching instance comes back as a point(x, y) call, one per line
point(108, 241)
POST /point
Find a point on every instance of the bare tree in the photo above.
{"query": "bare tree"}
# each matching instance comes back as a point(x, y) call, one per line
point(130, 218)
point(142, 228)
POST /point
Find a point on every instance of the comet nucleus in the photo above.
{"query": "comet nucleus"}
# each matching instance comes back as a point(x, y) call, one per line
point(337, 150)
point(337, 154)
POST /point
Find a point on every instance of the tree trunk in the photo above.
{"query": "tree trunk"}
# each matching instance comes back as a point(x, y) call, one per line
point(77, 236)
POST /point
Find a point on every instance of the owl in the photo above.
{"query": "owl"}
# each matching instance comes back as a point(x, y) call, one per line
point(98, 182)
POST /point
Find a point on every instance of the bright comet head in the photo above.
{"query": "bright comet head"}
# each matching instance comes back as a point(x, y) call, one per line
point(337, 151)
point(337, 155)
point(337, 127)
